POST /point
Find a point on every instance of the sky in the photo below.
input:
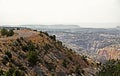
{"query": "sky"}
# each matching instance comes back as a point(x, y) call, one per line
point(77, 12)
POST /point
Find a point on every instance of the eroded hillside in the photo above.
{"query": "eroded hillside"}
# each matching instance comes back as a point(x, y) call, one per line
point(32, 53)
point(109, 52)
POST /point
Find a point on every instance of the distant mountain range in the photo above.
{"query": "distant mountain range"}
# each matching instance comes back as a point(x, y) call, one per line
point(51, 26)
point(62, 26)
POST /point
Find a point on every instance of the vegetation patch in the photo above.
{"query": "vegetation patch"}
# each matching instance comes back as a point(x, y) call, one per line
point(5, 32)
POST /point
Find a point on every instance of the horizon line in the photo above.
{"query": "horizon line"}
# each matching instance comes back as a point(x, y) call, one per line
point(21, 25)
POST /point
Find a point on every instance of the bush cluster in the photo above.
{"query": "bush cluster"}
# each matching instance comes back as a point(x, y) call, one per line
point(5, 32)
point(12, 72)
point(32, 57)
point(110, 68)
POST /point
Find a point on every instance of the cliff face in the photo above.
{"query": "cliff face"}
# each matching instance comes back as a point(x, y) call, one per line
point(109, 52)
point(32, 53)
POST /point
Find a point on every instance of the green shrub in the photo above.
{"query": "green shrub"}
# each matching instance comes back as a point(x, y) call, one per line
point(31, 46)
point(8, 53)
point(4, 32)
point(84, 57)
point(32, 57)
point(53, 37)
point(18, 73)
point(25, 48)
point(110, 68)
point(10, 72)
point(13, 72)
point(10, 33)
point(59, 42)
point(6, 57)
point(65, 63)
point(46, 33)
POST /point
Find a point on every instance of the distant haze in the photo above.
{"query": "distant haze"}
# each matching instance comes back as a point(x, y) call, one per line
point(86, 13)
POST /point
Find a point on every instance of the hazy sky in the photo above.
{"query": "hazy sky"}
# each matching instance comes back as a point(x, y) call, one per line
point(59, 12)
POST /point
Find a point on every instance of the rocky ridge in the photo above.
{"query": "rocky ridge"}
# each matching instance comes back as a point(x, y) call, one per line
point(33, 53)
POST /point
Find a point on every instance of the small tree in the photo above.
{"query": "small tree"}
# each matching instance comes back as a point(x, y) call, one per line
point(32, 57)
point(46, 33)
point(4, 32)
point(53, 37)
point(8, 54)
point(25, 48)
point(18, 73)
point(14, 72)
point(10, 33)
point(31, 46)
point(10, 72)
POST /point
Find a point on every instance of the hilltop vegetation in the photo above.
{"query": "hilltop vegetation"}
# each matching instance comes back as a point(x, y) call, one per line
point(5, 32)
point(40, 55)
